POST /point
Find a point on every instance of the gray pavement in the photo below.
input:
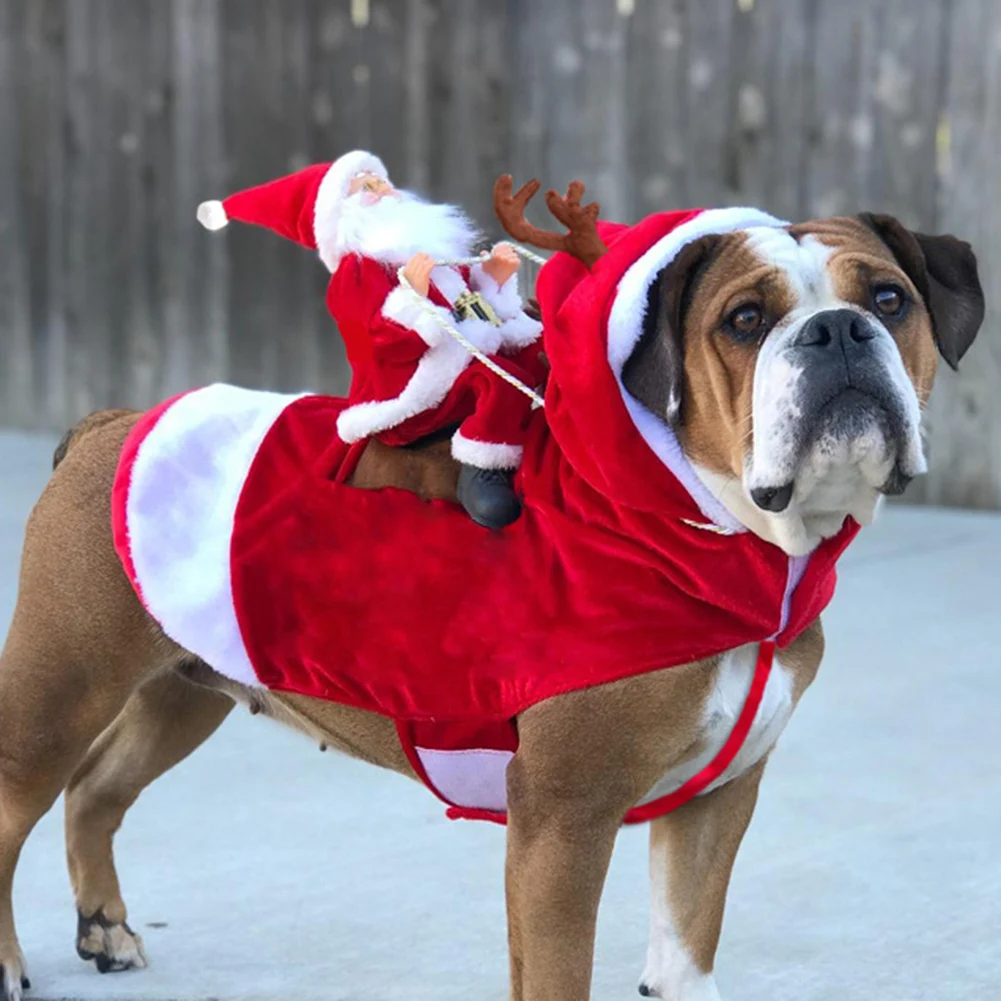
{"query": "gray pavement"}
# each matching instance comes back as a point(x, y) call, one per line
point(261, 868)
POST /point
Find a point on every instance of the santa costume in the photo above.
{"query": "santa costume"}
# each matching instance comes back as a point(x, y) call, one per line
point(234, 523)
point(410, 376)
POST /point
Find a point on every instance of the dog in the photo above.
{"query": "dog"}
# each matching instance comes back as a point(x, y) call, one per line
point(790, 362)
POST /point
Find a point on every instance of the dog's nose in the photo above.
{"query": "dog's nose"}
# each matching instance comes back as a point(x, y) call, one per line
point(835, 329)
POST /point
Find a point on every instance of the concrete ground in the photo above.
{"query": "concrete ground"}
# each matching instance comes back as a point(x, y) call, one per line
point(261, 868)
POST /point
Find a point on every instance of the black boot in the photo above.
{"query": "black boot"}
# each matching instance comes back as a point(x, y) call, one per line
point(487, 496)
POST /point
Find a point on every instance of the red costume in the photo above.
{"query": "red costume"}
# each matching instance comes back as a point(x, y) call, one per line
point(410, 376)
point(235, 527)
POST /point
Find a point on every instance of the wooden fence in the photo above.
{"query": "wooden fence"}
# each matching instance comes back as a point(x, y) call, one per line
point(118, 116)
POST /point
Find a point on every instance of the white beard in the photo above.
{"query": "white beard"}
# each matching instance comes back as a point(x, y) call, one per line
point(392, 229)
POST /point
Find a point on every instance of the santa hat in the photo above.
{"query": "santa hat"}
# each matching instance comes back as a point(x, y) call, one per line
point(304, 207)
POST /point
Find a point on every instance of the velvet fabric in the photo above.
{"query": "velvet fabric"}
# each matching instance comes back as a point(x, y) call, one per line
point(616, 567)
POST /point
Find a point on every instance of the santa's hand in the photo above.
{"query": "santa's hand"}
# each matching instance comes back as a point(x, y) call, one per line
point(502, 263)
point(418, 273)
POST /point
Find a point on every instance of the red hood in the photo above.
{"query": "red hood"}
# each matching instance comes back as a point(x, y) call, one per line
point(592, 321)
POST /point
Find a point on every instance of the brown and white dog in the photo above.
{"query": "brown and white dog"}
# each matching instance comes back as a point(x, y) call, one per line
point(794, 364)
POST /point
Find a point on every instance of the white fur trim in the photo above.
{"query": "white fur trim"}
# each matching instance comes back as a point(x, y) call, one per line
point(625, 326)
point(212, 215)
point(449, 282)
point(436, 372)
point(329, 195)
point(485, 454)
point(185, 485)
point(519, 331)
point(403, 308)
point(505, 298)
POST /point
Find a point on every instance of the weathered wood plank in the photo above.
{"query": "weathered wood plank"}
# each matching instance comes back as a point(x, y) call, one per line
point(710, 101)
point(772, 63)
point(656, 85)
point(964, 438)
point(196, 333)
point(17, 370)
point(844, 58)
point(117, 118)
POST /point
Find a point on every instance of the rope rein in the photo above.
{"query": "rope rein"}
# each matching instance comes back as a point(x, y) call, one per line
point(428, 307)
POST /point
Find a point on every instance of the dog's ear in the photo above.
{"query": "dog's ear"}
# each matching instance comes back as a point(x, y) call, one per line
point(655, 371)
point(944, 271)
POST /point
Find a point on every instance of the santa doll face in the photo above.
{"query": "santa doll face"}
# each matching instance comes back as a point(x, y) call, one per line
point(370, 187)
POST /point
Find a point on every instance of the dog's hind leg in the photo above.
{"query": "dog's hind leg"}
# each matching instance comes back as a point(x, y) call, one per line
point(79, 645)
point(52, 706)
point(161, 724)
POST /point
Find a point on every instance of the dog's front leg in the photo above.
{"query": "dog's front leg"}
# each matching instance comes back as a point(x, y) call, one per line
point(557, 857)
point(691, 857)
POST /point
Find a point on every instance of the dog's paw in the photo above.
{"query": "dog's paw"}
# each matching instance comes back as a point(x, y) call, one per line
point(113, 946)
point(13, 978)
point(677, 984)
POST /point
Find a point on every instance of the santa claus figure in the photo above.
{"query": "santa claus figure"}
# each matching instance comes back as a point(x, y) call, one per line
point(411, 377)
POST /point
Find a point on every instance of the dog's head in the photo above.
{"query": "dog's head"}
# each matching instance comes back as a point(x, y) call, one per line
point(794, 363)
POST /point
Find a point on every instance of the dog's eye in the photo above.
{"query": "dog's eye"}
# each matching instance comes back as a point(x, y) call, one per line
point(746, 320)
point(889, 299)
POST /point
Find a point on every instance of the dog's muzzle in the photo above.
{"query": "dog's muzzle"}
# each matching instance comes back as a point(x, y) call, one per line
point(847, 396)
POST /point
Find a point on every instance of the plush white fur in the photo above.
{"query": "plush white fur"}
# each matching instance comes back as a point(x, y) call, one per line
point(505, 299)
point(185, 485)
point(519, 331)
point(485, 454)
point(398, 226)
point(436, 372)
point(212, 215)
point(404, 308)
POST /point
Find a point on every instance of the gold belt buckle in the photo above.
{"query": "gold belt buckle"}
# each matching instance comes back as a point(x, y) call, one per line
point(472, 306)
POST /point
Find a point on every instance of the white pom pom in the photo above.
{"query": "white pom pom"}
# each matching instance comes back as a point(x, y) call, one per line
point(212, 215)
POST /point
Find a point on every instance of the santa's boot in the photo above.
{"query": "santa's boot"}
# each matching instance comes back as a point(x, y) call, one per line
point(487, 496)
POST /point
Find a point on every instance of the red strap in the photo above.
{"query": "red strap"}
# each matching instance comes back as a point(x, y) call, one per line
point(658, 807)
point(698, 783)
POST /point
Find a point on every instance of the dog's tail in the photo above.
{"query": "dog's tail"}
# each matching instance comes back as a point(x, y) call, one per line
point(95, 420)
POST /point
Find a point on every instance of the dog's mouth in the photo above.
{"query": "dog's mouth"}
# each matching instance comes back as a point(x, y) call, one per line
point(848, 432)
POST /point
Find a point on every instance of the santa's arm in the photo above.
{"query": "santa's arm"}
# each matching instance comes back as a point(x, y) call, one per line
point(505, 299)
point(517, 328)
point(377, 317)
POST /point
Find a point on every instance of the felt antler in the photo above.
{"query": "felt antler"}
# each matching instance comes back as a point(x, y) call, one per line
point(581, 242)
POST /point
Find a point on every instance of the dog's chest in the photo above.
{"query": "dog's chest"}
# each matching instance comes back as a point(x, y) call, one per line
point(729, 693)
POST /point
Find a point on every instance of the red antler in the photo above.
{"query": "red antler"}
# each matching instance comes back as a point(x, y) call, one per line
point(581, 242)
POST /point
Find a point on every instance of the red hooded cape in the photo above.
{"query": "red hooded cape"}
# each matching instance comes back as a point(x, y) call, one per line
point(233, 522)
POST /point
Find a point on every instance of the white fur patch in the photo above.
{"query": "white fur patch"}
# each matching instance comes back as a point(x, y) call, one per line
point(186, 481)
point(396, 227)
point(733, 682)
point(670, 972)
